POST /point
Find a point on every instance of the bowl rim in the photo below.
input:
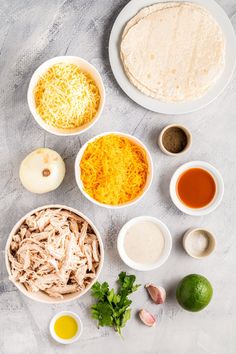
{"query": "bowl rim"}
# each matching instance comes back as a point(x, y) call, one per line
point(80, 183)
point(188, 135)
point(167, 248)
point(52, 300)
point(210, 236)
point(44, 67)
point(219, 188)
point(61, 340)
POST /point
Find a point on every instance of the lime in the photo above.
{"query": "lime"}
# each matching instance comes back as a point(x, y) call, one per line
point(194, 292)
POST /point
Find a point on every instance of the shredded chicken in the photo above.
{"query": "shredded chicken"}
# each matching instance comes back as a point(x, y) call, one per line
point(54, 251)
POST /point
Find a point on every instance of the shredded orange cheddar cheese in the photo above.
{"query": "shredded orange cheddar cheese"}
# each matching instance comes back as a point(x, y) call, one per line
point(113, 169)
point(66, 97)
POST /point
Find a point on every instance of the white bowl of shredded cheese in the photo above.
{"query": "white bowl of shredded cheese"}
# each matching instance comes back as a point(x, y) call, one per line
point(108, 166)
point(66, 95)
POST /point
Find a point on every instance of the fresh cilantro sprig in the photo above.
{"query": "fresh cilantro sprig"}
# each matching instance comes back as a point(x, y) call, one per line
point(113, 309)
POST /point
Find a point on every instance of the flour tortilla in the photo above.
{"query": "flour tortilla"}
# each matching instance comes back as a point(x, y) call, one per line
point(173, 51)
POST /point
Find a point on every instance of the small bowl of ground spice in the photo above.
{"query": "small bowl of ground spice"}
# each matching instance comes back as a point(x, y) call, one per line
point(175, 139)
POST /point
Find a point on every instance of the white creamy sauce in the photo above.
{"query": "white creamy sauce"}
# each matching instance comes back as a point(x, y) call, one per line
point(144, 242)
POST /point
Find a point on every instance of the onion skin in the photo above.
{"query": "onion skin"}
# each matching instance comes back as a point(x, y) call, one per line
point(42, 171)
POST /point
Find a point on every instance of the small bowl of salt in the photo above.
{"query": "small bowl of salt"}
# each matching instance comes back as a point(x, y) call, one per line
point(199, 243)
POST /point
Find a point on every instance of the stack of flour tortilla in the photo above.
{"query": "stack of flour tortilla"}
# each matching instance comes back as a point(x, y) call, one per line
point(173, 52)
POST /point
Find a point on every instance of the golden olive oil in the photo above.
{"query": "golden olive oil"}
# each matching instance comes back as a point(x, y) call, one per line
point(66, 327)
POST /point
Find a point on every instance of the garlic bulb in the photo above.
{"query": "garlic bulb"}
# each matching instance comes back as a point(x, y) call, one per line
point(42, 171)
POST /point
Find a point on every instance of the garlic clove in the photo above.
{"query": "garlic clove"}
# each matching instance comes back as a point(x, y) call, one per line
point(42, 171)
point(147, 318)
point(157, 293)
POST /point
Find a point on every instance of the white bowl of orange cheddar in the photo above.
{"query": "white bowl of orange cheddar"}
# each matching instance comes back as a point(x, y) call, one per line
point(100, 187)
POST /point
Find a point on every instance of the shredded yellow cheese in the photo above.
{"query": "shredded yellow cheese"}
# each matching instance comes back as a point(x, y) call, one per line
point(66, 97)
point(113, 169)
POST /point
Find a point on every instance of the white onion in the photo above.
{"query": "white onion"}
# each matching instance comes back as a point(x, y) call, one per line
point(42, 171)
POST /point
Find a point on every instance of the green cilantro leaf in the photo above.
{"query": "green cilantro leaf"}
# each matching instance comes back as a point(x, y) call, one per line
point(113, 309)
point(100, 291)
point(103, 313)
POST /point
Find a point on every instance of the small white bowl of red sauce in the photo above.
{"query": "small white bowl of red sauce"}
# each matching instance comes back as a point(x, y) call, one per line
point(196, 188)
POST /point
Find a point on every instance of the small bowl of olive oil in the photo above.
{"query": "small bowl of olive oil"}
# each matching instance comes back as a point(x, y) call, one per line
point(66, 327)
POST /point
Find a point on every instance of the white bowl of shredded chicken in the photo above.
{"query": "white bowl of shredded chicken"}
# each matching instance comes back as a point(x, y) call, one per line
point(66, 95)
point(54, 254)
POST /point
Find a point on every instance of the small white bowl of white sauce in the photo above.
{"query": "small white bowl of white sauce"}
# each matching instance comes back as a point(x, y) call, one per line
point(144, 243)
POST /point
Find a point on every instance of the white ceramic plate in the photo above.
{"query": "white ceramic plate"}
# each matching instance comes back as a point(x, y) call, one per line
point(165, 253)
point(149, 177)
point(129, 11)
point(219, 188)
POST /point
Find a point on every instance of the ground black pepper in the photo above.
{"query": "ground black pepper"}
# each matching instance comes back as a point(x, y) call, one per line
point(174, 140)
